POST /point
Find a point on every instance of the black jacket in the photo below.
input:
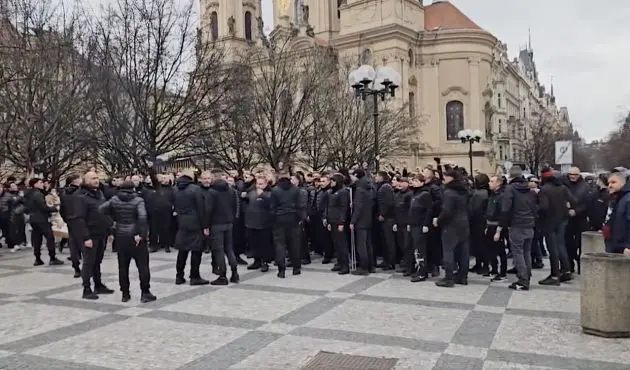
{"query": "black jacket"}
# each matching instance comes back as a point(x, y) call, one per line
point(617, 239)
point(362, 204)
point(478, 206)
point(453, 217)
point(258, 209)
point(386, 204)
point(129, 213)
point(190, 205)
point(403, 202)
point(518, 205)
point(162, 199)
point(421, 207)
point(223, 203)
point(36, 207)
point(552, 203)
point(71, 203)
point(5, 199)
point(435, 189)
point(338, 205)
point(597, 211)
point(321, 199)
point(287, 203)
point(493, 208)
point(89, 222)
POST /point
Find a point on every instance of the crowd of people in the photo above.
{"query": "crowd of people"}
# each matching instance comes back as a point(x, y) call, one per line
point(424, 225)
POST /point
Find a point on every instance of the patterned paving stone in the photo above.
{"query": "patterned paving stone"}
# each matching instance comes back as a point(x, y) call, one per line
point(328, 360)
point(267, 323)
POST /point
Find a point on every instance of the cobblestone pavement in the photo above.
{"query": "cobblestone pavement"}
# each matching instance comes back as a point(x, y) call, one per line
point(268, 323)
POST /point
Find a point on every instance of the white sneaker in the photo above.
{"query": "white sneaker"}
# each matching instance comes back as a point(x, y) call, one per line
point(29, 246)
point(16, 248)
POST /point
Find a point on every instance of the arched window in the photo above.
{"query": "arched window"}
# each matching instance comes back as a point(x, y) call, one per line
point(412, 104)
point(214, 23)
point(366, 57)
point(501, 153)
point(499, 100)
point(454, 119)
point(500, 125)
point(248, 26)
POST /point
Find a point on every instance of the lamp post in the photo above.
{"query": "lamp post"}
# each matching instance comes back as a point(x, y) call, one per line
point(382, 83)
point(470, 137)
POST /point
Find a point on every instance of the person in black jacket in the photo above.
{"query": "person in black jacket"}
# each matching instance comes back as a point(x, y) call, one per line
point(288, 211)
point(495, 249)
point(223, 210)
point(616, 229)
point(403, 201)
point(386, 216)
point(599, 208)
point(39, 212)
point(583, 194)
point(361, 223)
point(518, 213)
point(305, 253)
point(257, 206)
point(162, 216)
point(555, 200)
point(69, 212)
point(336, 217)
point(455, 227)
point(434, 243)
point(419, 216)
point(194, 225)
point(130, 215)
point(321, 203)
point(477, 209)
point(91, 230)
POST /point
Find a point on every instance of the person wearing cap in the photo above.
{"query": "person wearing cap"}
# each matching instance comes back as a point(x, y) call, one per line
point(453, 222)
point(553, 199)
point(403, 201)
point(518, 215)
point(582, 194)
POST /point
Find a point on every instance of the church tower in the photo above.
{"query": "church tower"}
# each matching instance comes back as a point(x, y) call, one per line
point(234, 23)
point(320, 15)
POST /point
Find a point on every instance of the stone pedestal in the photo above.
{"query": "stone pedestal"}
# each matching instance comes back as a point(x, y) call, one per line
point(592, 242)
point(605, 298)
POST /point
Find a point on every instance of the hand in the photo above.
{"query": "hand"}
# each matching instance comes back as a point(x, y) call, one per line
point(435, 222)
point(408, 228)
point(88, 243)
point(328, 227)
point(206, 232)
point(395, 228)
point(626, 252)
point(381, 218)
point(497, 236)
point(340, 228)
point(243, 195)
point(536, 190)
point(137, 238)
point(572, 212)
point(485, 231)
point(352, 227)
point(324, 222)
point(308, 218)
point(425, 229)
point(174, 213)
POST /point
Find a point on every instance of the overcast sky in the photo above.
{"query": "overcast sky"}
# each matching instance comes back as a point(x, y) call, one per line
point(581, 44)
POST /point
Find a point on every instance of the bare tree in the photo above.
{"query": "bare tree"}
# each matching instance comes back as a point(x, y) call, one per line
point(283, 83)
point(615, 151)
point(160, 84)
point(538, 145)
point(47, 97)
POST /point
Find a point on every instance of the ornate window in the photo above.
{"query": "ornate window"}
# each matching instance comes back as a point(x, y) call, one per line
point(214, 23)
point(412, 104)
point(248, 26)
point(500, 125)
point(454, 119)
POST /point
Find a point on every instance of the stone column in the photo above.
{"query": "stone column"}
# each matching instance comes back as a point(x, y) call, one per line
point(475, 96)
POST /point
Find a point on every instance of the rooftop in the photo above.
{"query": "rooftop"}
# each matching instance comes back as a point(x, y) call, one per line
point(444, 15)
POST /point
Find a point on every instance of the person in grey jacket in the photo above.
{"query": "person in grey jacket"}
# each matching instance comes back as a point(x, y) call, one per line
point(130, 215)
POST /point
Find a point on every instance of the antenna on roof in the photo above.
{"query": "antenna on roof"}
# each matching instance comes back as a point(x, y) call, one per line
point(529, 43)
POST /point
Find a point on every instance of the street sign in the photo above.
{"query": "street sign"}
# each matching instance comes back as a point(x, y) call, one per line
point(564, 152)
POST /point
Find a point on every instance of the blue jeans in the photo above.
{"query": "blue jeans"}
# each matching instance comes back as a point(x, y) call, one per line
point(558, 256)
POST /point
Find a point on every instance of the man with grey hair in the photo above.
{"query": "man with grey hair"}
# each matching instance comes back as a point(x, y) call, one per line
point(518, 214)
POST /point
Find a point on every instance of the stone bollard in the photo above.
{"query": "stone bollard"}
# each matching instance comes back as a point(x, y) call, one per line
point(592, 242)
point(605, 297)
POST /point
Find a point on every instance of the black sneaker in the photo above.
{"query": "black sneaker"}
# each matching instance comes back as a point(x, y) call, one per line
point(512, 271)
point(55, 262)
point(550, 280)
point(461, 281)
point(77, 273)
point(445, 283)
point(221, 280)
point(147, 297)
point(498, 278)
point(200, 281)
point(518, 286)
point(335, 268)
point(281, 274)
point(326, 261)
point(167, 249)
point(537, 265)
point(126, 297)
point(344, 271)
point(234, 278)
point(418, 278)
point(180, 280)
point(264, 267)
point(306, 261)
point(38, 262)
point(567, 276)
point(102, 289)
point(89, 294)
point(255, 266)
point(153, 249)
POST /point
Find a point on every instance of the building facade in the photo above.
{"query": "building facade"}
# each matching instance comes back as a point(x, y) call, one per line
point(455, 75)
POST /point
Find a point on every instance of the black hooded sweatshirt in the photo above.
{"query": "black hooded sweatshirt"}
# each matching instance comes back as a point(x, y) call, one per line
point(224, 203)
point(518, 205)
point(287, 206)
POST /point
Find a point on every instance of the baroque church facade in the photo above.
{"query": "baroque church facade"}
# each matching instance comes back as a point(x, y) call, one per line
point(455, 75)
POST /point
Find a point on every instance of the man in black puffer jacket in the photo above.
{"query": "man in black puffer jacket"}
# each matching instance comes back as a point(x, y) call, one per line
point(336, 217)
point(39, 213)
point(518, 213)
point(288, 213)
point(386, 215)
point(223, 209)
point(130, 215)
point(69, 211)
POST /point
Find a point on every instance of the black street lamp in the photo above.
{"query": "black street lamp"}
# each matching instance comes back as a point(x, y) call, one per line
point(377, 83)
point(470, 137)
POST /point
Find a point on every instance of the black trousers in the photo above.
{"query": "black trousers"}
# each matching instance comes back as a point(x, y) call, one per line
point(401, 242)
point(287, 236)
point(5, 226)
point(261, 243)
point(160, 229)
point(41, 231)
point(456, 254)
point(340, 244)
point(477, 244)
point(128, 250)
point(496, 250)
point(305, 251)
point(222, 246)
point(365, 249)
point(313, 235)
point(92, 259)
point(75, 250)
point(328, 249)
point(416, 253)
point(389, 242)
point(573, 239)
point(239, 240)
point(195, 262)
